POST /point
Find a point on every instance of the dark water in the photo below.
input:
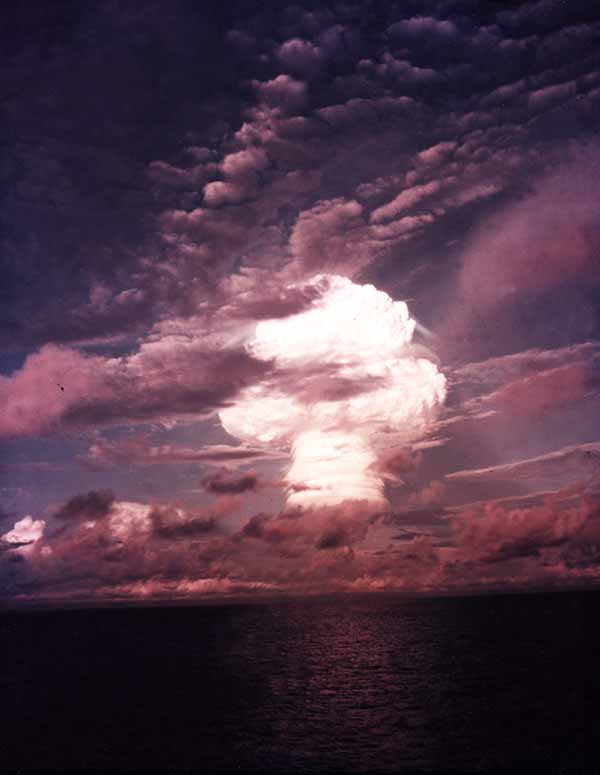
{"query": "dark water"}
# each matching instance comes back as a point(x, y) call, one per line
point(456, 684)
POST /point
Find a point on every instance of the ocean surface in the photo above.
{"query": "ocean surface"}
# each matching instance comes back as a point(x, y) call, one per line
point(472, 684)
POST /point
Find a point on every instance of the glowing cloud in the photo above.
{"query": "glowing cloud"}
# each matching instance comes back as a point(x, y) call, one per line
point(24, 534)
point(347, 385)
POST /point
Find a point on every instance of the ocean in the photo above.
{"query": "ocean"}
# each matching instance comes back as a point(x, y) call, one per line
point(380, 684)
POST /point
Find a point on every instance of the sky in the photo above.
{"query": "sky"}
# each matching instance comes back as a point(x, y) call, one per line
point(299, 299)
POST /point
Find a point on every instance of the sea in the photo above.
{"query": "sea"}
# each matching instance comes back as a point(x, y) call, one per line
point(495, 683)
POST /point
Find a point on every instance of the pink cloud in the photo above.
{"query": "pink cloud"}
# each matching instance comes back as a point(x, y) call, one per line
point(240, 169)
point(175, 524)
point(258, 294)
point(436, 154)
point(403, 226)
point(161, 546)
point(328, 233)
point(424, 26)
point(164, 550)
point(50, 383)
point(398, 69)
point(542, 241)
point(495, 372)
point(504, 93)
point(177, 177)
point(283, 92)
point(351, 112)
point(300, 56)
point(573, 463)
point(245, 162)
point(140, 451)
point(431, 495)
point(471, 193)
point(93, 505)
point(537, 394)
point(496, 532)
point(168, 377)
point(25, 531)
point(397, 465)
point(404, 201)
point(220, 193)
point(326, 527)
point(225, 483)
point(551, 95)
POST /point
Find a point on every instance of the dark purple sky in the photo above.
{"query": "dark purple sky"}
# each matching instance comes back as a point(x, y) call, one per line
point(175, 172)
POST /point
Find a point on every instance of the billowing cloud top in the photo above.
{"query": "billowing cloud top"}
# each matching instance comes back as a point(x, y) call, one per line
point(349, 384)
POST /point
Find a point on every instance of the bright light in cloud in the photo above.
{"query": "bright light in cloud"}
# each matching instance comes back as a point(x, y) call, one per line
point(25, 532)
point(347, 385)
point(332, 465)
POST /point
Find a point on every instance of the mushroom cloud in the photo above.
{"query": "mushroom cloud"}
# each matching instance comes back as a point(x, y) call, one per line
point(348, 385)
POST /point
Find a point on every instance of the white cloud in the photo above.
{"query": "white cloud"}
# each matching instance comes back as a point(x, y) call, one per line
point(25, 531)
point(369, 390)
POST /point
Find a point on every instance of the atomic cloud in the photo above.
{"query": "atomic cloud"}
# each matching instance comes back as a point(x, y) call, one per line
point(348, 384)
